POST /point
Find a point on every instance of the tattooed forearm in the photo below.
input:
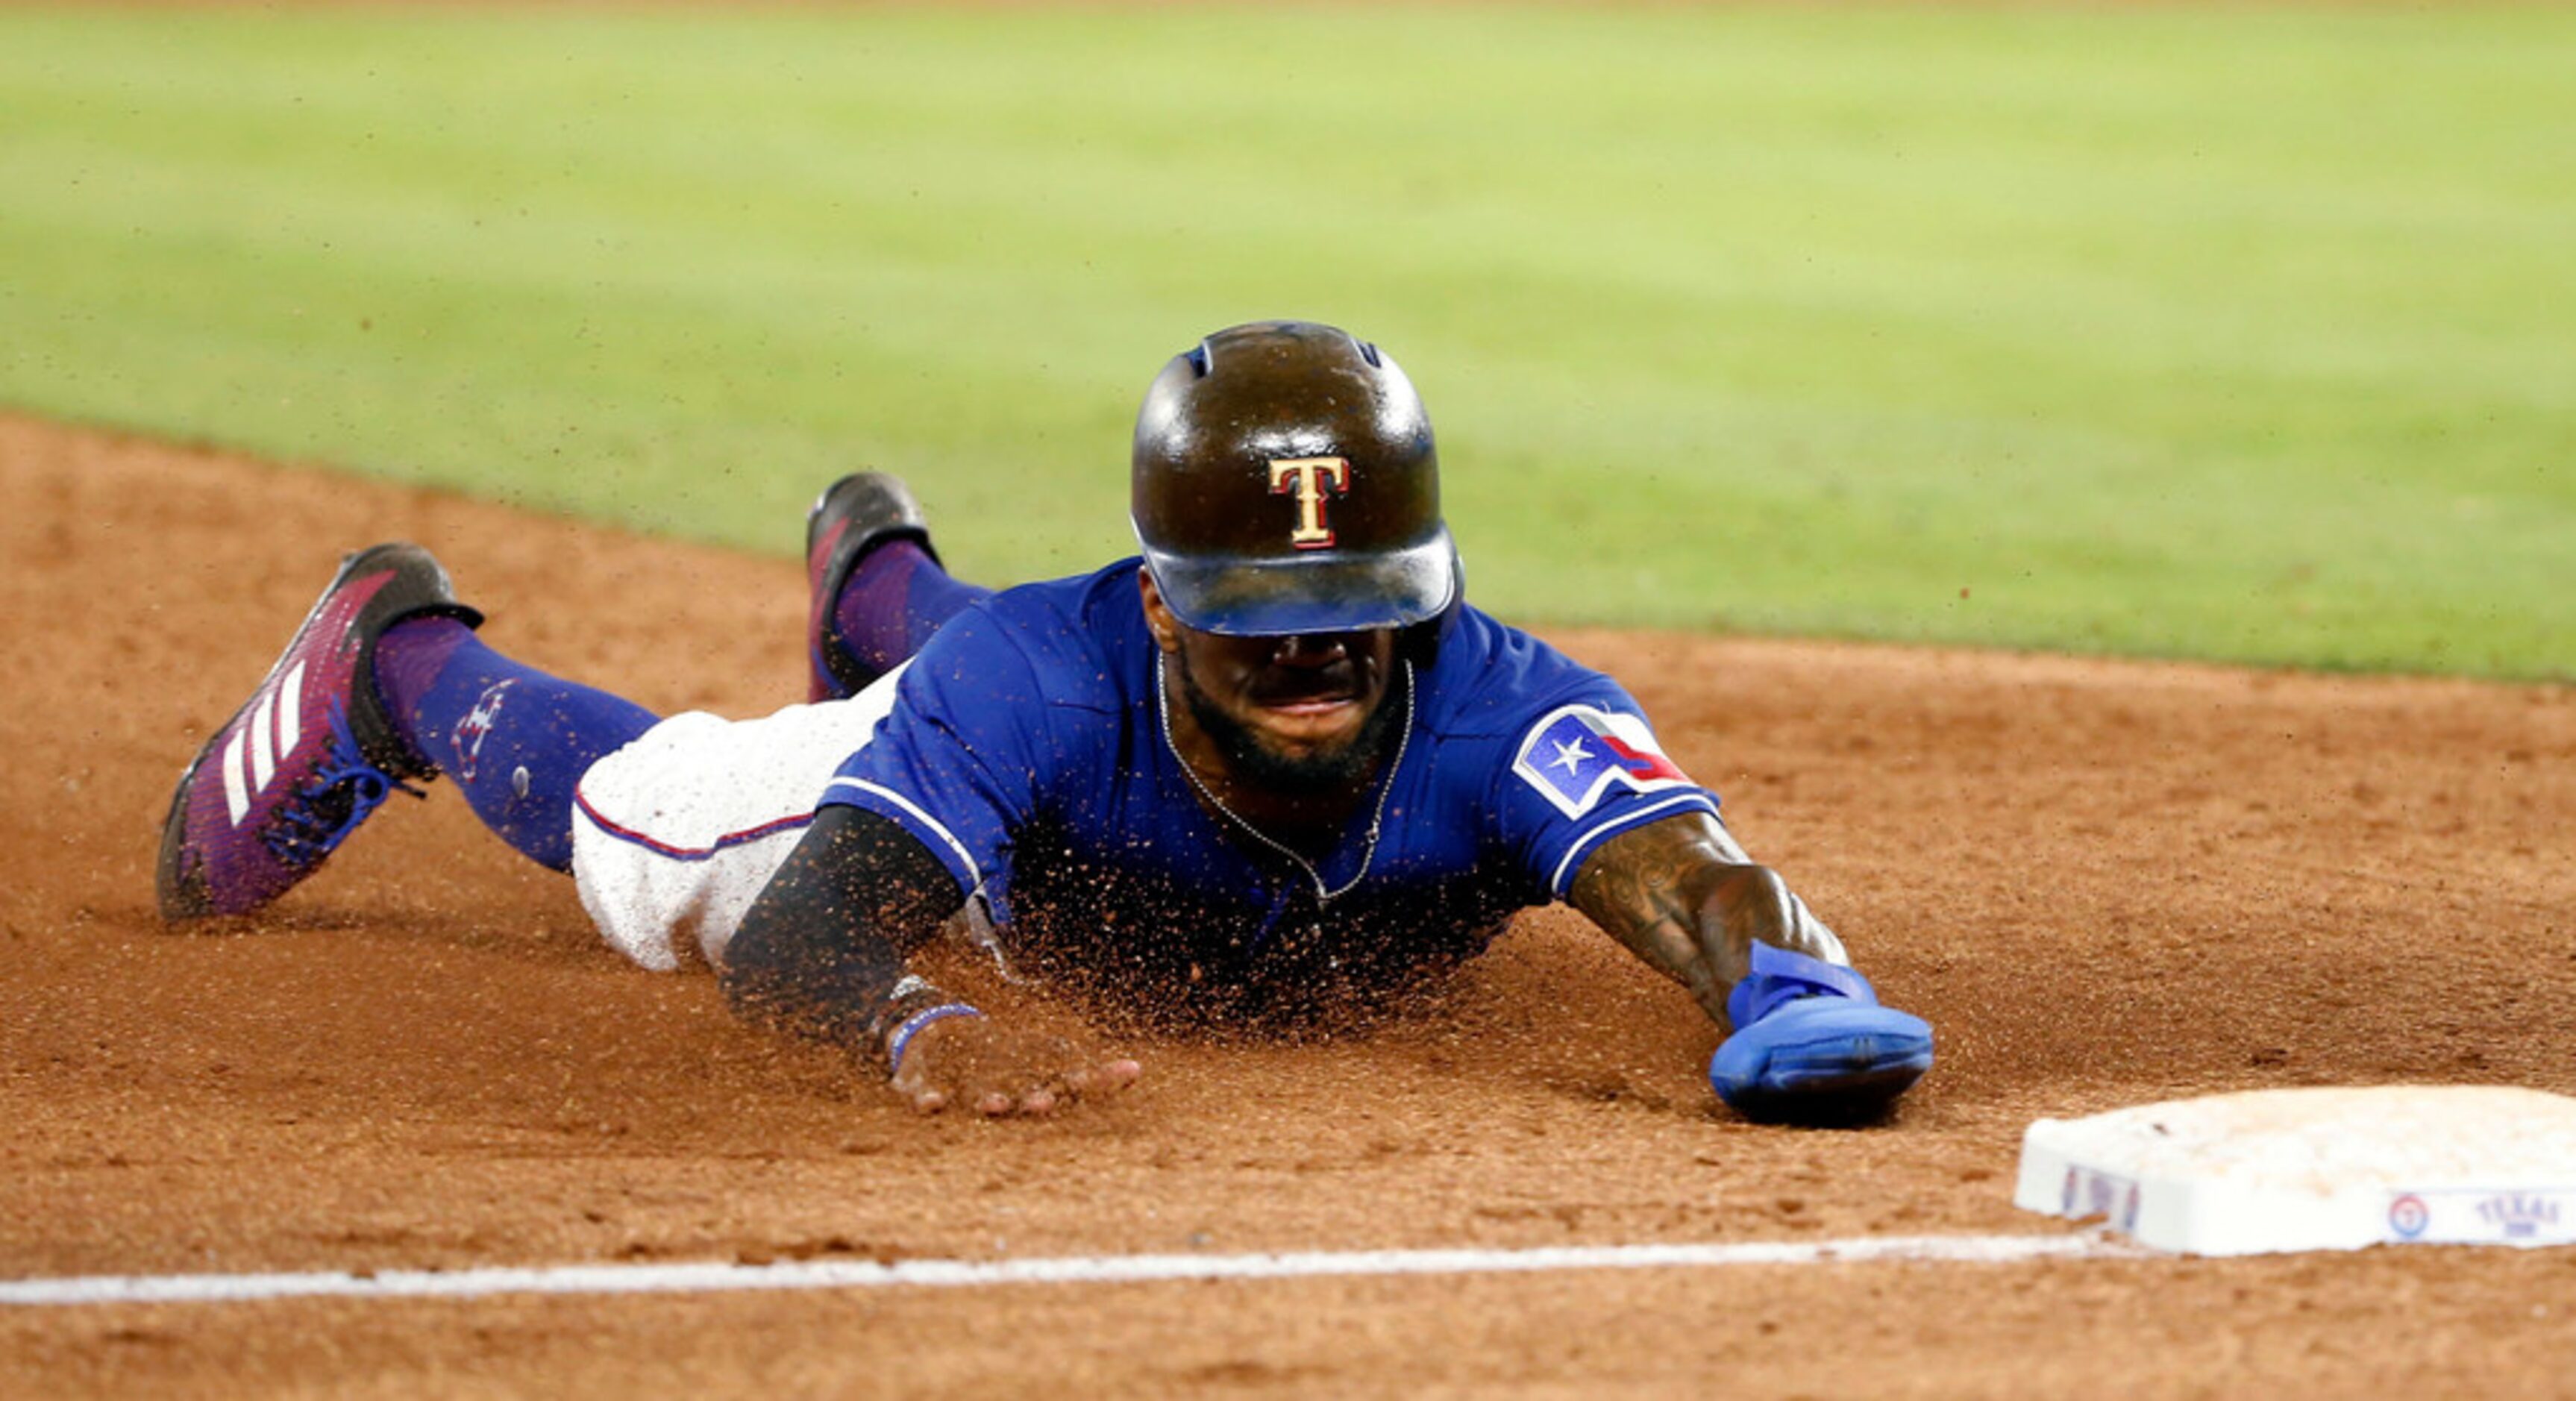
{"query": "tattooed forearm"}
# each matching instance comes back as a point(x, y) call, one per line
point(1683, 897)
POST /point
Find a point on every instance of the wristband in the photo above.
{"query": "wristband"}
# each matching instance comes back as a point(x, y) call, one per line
point(912, 1025)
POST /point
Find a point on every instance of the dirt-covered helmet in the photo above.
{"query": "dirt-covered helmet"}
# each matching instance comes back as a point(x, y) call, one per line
point(1284, 481)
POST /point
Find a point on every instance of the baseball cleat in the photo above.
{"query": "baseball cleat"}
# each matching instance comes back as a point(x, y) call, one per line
point(309, 755)
point(1812, 1044)
point(853, 516)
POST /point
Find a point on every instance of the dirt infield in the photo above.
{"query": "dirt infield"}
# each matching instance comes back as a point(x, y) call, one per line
point(2104, 883)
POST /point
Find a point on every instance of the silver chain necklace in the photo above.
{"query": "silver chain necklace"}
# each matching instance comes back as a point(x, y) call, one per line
point(1368, 854)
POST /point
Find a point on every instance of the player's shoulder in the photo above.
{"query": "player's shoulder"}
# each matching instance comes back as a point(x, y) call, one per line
point(1072, 608)
point(1559, 755)
point(1489, 678)
point(1073, 638)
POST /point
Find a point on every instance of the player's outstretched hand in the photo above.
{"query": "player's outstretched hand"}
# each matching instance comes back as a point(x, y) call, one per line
point(997, 1068)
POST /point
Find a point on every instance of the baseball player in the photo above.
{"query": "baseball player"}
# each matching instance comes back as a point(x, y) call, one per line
point(1276, 773)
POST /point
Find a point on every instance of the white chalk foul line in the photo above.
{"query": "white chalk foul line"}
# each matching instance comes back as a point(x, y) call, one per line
point(712, 1277)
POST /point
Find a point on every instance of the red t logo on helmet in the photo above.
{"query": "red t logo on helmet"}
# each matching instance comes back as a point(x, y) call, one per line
point(1310, 476)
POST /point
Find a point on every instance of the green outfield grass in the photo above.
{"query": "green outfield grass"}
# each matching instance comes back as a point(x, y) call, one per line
point(2233, 332)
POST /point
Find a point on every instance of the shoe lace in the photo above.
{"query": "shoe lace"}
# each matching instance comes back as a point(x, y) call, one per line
point(329, 806)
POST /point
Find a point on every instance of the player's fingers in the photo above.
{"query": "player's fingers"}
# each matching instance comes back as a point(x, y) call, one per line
point(1109, 1077)
point(929, 1101)
point(1037, 1103)
point(994, 1104)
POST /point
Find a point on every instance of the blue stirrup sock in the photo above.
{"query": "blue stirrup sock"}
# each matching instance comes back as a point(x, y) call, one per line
point(894, 601)
point(515, 739)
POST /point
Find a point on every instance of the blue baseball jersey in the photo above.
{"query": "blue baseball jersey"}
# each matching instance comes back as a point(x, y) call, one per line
point(1027, 751)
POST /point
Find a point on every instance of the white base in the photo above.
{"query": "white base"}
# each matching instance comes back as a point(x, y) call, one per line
point(2316, 1169)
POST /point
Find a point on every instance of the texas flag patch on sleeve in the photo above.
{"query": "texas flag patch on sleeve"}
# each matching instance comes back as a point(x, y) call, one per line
point(1578, 751)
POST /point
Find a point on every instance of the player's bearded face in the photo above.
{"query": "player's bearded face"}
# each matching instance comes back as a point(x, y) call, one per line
point(1299, 716)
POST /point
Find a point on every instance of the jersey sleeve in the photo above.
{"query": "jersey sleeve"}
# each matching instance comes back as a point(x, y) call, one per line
point(1582, 768)
point(961, 758)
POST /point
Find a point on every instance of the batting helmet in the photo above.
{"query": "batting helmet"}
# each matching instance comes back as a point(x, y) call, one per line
point(1284, 481)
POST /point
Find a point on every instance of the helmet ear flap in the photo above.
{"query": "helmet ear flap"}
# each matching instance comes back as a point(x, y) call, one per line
point(1284, 480)
point(1419, 643)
